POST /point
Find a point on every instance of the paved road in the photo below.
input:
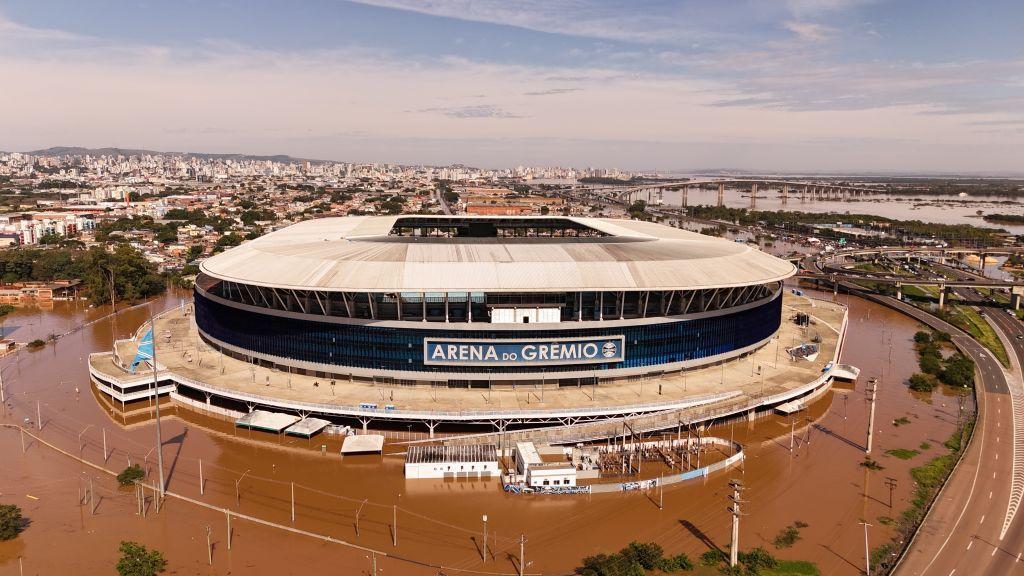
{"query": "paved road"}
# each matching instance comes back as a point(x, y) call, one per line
point(972, 528)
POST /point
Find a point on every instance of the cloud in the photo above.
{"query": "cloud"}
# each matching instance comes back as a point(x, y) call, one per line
point(480, 111)
point(552, 92)
point(10, 30)
point(809, 31)
point(802, 8)
point(767, 106)
point(998, 122)
point(584, 18)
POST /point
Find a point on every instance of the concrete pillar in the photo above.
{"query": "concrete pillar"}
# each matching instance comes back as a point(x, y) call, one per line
point(899, 291)
point(686, 200)
point(785, 193)
point(753, 196)
point(803, 194)
point(721, 195)
point(431, 426)
point(1016, 294)
point(942, 296)
point(751, 415)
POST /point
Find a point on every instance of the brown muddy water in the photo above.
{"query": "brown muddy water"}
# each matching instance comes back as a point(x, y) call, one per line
point(820, 482)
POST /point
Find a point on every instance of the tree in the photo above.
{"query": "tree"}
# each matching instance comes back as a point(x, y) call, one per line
point(930, 365)
point(11, 522)
point(922, 337)
point(646, 554)
point(959, 371)
point(134, 277)
point(229, 240)
point(136, 560)
point(923, 382)
point(130, 475)
point(49, 238)
point(194, 252)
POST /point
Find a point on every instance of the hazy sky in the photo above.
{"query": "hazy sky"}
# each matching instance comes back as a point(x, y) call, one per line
point(825, 85)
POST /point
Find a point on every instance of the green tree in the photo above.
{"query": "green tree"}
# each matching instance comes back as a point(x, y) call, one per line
point(930, 365)
point(133, 276)
point(250, 217)
point(923, 382)
point(229, 240)
point(49, 239)
point(130, 475)
point(194, 252)
point(136, 560)
point(959, 371)
point(646, 554)
point(11, 522)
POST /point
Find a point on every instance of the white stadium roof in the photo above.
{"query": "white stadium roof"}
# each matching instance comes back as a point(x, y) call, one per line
point(356, 254)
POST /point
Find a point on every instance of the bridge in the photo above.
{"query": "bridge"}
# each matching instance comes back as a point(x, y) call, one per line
point(822, 190)
point(1016, 288)
point(834, 273)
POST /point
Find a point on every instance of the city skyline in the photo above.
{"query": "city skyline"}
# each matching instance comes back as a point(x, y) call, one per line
point(798, 85)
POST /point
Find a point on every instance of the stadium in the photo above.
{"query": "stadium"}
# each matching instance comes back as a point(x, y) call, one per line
point(417, 323)
point(469, 301)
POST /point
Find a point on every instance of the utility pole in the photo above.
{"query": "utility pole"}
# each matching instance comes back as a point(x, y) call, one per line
point(873, 382)
point(734, 547)
point(485, 538)
point(867, 551)
point(522, 554)
point(792, 429)
point(209, 545)
point(891, 483)
point(156, 392)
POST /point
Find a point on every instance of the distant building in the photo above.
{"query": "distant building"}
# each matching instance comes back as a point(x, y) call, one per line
point(25, 292)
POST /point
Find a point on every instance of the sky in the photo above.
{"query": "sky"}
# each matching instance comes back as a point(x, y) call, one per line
point(905, 86)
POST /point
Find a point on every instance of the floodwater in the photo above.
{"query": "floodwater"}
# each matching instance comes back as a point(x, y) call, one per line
point(819, 482)
point(927, 208)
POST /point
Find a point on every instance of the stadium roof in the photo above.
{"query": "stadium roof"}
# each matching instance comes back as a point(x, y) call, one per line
point(362, 254)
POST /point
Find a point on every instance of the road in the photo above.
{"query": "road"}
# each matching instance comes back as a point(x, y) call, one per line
point(972, 528)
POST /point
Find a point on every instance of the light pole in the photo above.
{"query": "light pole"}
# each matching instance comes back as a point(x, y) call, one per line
point(237, 482)
point(485, 538)
point(156, 392)
point(84, 430)
point(867, 551)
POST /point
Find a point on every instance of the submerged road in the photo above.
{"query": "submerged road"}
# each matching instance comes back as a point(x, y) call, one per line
point(963, 532)
point(973, 528)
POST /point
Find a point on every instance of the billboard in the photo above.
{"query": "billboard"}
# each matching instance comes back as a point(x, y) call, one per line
point(526, 352)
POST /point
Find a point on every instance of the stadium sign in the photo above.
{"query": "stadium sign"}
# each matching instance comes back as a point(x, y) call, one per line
point(553, 351)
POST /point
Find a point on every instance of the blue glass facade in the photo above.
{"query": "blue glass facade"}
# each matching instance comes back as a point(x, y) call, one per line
point(401, 349)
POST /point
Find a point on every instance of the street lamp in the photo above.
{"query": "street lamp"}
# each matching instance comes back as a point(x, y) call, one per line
point(485, 538)
point(80, 438)
point(237, 482)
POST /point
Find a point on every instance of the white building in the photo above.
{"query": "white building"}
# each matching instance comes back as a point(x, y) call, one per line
point(537, 473)
point(470, 461)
